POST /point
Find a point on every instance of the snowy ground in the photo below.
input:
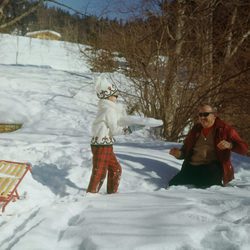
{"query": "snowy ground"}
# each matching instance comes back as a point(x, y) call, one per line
point(57, 107)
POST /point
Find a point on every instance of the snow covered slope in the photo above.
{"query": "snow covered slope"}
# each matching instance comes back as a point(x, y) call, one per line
point(44, 53)
point(57, 108)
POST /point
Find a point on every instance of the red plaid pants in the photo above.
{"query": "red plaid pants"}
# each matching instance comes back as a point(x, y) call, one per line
point(104, 160)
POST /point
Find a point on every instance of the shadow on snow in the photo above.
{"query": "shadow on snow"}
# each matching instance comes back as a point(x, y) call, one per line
point(54, 178)
point(163, 171)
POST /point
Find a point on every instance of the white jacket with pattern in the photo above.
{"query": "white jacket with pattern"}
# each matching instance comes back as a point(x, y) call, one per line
point(105, 125)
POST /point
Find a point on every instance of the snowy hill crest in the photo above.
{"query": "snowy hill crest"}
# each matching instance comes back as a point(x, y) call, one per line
point(57, 108)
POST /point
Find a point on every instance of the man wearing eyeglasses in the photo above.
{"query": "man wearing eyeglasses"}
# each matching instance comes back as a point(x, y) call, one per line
point(206, 151)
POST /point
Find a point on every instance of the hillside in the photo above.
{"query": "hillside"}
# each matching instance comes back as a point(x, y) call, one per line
point(55, 100)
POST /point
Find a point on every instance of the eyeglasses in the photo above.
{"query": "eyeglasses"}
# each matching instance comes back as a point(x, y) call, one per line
point(205, 114)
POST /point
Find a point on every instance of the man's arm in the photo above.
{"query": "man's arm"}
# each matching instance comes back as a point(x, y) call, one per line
point(235, 143)
point(238, 145)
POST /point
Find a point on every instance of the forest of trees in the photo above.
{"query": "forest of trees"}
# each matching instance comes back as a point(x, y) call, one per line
point(178, 54)
point(24, 16)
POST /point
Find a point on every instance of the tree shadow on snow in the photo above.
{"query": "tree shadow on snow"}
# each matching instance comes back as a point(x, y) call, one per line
point(54, 178)
point(163, 171)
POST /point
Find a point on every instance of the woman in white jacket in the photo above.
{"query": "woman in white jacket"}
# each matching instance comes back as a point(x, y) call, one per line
point(104, 127)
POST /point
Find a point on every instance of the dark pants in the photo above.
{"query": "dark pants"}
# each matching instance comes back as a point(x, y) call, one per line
point(201, 176)
point(104, 161)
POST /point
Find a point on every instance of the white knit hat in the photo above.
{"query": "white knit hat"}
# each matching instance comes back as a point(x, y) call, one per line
point(105, 87)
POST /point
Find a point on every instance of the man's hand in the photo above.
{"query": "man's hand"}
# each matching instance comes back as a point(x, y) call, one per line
point(176, 152)
point(224, 145)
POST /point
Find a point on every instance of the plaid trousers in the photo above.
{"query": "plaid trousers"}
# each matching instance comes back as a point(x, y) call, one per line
point(104, 160)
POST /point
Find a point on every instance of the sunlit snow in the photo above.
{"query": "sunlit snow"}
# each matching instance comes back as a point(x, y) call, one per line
point(48, 87)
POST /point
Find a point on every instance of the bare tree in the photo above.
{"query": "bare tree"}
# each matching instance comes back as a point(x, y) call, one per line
point(164, 65)
point(182, 55)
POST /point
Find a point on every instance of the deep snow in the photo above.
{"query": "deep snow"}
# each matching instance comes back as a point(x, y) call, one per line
point(56, 101)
